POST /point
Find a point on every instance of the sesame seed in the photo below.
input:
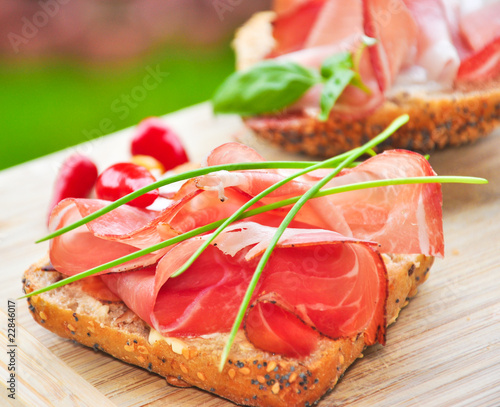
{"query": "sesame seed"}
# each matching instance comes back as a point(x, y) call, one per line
point(150, 367)
point(74, 316)
point(128, 347)
point(183, 367)
point(271, 366)
point(245, 370)
point(43, 315)
point(142, 349)
point(231, 373)
point(261, 379)
point(201, 376)
point(276, 388)
point(293, 377)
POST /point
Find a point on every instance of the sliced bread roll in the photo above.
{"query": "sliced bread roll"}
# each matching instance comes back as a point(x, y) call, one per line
point(437, 118)
point(250, 376)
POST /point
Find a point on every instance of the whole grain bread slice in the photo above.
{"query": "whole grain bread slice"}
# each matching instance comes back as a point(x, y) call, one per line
point(250, 376)
point(437, 118)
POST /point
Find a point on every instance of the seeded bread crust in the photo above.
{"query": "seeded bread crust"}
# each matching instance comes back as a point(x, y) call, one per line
point(437, 119)
point(250, 377)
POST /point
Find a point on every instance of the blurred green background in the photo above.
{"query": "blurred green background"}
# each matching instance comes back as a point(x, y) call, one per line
point(50, 106)
point(68, 67)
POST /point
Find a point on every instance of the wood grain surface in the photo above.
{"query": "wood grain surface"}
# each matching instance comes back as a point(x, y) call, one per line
point(443, 351)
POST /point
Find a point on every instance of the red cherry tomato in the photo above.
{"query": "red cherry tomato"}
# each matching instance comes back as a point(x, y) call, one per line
point(156, 139)
point(76, 179)
point(123, 178)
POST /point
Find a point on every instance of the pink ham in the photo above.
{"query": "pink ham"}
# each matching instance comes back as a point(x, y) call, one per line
point(127, 229)
point(436, 51)
point(484, 64)
point(403, 218)
point(438, 41)
point(293, 24)
point(391, 23)
point(309, 270)
point(480, 45)
point(481, 26)
point(317, 281)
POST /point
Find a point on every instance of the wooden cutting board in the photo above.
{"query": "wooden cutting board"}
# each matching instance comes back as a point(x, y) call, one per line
point(443, 351)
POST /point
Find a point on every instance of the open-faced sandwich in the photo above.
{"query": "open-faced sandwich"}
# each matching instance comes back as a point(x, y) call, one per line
point(324, 76)
point(257, 281)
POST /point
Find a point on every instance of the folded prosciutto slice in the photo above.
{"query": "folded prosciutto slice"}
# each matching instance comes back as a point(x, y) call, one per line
point(315, 279)
point(401, 218)
point(433, 42)
point(325, 277)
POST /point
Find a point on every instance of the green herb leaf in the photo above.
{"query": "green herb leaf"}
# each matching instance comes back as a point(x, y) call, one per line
point(265, 87)
point(342, 60)
point(333, 88)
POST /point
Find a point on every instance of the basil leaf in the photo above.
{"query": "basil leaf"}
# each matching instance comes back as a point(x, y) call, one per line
point(266, 87)
point(333, 88)
point(342, 60)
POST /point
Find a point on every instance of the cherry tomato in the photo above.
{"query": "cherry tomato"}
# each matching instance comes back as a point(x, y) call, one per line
point(156, 139)
point(123, 178)
point(75, 179)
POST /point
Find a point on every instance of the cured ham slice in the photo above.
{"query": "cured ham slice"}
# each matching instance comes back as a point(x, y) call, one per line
point(317, 281)
point(95, 243)
point(433, 42)
point(480, 43)
point(337, 22)
point(309, 271)
point(481, 26)
point(484, 64)
point(391, 23)
point(293, 24)
point(401, 218)
point(127, 229)
point(436, 51)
